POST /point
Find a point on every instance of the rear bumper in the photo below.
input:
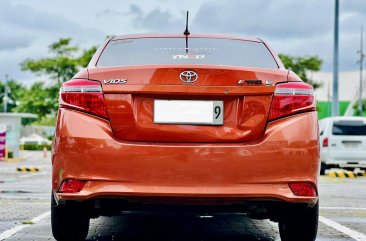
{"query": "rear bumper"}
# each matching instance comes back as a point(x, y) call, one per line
point(345, 163)
point(96, 189)
point(84, 149)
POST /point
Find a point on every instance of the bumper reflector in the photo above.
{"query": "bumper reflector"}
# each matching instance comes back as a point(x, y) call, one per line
point(303, 189)
point(71, 186)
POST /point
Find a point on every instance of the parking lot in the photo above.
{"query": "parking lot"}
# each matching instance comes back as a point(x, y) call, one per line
point(24, 213)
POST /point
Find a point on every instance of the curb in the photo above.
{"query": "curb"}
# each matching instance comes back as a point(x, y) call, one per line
point(27, 169)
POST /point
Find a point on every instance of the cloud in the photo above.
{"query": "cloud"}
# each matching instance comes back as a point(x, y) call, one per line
point(276, 19)
point(109, 12)
point(10, 42)
point(26, 21)
point(29, 32)
point(292, 27)
point(354, 6)
point(26, 18)
point(155, 20)
point(135, 10)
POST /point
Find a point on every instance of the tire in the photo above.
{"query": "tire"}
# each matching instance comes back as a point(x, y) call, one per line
point(323, 167)
point(69, 222)
point(299, 223)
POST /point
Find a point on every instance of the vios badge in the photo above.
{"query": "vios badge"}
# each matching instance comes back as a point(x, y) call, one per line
point(115, 81)
point(188, 76)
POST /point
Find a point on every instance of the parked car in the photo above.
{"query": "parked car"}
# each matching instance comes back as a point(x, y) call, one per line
point(34, 139)
point(200, 123)
point(343, 142)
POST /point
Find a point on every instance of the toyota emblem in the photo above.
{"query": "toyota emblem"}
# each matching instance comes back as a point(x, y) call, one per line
point(188, 76)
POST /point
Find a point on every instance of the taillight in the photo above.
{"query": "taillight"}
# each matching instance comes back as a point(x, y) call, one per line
point(325, 142)
point(71, 186)
point(303, 189)
point(290, 98)
point(83, 95)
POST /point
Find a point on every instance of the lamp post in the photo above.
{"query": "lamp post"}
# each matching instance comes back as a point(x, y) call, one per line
point(362, 56)
point(6, 96)
point(335, 106)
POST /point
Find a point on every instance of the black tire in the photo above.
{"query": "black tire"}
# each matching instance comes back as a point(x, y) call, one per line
point(323, 167)
point(69, 222)
point(299, 223)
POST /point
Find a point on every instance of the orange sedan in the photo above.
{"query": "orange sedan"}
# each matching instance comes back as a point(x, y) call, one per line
point(200, 123)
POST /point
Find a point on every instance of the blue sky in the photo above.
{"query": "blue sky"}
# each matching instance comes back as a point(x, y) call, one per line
point(293, 27)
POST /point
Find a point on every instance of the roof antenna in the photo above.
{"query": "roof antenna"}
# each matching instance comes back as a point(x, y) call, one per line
point(186, 33)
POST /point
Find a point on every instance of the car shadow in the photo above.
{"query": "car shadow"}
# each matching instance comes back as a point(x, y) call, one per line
point(147, 227)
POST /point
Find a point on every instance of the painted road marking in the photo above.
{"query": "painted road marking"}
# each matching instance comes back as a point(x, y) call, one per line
point(349, 232)
point(342, 208)
point(28, 169)
point(10, 232)
point(32, 174)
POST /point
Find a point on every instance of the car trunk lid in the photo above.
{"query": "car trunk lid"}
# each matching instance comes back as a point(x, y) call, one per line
point(245, 93)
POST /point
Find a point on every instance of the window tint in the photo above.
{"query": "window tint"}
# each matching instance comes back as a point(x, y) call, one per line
point(211, 51)
point(349, 128)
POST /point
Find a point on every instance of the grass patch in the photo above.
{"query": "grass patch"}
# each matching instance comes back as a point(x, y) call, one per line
point(27, 222)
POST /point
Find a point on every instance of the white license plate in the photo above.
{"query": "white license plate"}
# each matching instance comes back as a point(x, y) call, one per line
point(351, 145)
point(199, 112)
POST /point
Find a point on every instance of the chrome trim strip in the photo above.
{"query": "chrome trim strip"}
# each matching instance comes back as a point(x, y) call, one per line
point(81, 89)
point(292, 91)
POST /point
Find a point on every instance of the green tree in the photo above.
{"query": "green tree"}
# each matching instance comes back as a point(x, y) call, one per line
point(15, 90)
point(357, 111)
point(302, 66)
point(64, 62)
point(39, 100)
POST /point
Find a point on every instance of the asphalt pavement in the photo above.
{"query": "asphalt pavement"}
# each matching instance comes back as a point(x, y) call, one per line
point(24, 213)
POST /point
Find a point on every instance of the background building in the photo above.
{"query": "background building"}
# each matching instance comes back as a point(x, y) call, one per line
point(12, 121)
point(348, 91)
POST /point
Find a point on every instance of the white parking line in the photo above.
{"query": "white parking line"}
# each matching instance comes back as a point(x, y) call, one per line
point(342, 208)
point(10, 232)
point(349, 232)
point(32, 174)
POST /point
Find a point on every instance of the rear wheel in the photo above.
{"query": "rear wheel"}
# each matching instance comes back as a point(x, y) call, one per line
point(69, 222)
point(299, 223)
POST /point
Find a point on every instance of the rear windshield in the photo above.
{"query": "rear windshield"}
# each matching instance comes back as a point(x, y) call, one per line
point(150, 51)
point(349, 128)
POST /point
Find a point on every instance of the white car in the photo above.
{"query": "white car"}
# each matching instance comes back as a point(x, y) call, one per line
point(342, 142)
